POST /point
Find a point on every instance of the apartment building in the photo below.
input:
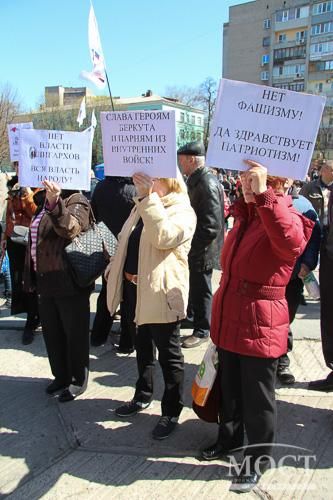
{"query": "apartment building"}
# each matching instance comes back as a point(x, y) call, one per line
point(285, 44)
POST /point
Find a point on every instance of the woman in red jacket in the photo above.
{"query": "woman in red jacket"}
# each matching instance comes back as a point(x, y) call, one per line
point(250, 318)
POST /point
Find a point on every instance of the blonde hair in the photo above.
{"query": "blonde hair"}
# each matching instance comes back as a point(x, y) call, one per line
point(173, 185)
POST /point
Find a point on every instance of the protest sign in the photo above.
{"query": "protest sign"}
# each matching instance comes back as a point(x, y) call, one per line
point(273, 126)
point(139, 141)
point(59, 156)
point(14, 138)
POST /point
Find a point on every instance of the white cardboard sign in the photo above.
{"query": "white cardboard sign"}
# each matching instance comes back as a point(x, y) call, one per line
point(59, 156)
point(14, 138)
point(139, 141)
point(273, 126)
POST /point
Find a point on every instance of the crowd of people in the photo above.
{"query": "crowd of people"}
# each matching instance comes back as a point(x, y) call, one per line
point(171, 236)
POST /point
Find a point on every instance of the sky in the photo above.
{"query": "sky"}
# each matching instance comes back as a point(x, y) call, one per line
point(146, 44)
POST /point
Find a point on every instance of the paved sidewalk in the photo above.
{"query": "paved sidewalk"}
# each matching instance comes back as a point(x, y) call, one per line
point(82, 450)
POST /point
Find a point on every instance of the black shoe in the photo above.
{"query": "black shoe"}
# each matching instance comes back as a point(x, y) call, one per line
point(96, 341)
point(72, 392)
point(55, 386)
point(244, 483)
point(214, 452)
point(165, 426)
point(125, 350)
point(27, 336)
point(325, 385)
point(131, 408)
point(303, 302)
point(285, 376)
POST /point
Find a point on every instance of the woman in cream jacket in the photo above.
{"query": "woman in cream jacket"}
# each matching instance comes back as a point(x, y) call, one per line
point(151, 259)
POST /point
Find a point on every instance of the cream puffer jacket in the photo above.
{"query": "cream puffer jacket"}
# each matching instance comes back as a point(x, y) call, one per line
point(163, 275)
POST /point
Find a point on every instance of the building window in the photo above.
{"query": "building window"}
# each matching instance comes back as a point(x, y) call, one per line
point(290, 53)
point(192, 120)
point(285, 15)
point(282, 37)
point(301, 36)
point(319, 29)
point(182, 134)
point(264, 76)
point(330, 122)
point(199, 136)
point(321, 48)
point(265, 59)
point(199, 120)
point(319, 87)
point(192, 136)
point(322, 7)
point(267, 24)
point(290, 70)
point(324, 66)
point(296, 87)
point(266, 41)
point(182, 117)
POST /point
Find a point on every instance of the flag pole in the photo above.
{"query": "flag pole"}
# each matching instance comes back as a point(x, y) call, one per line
point(107, 80)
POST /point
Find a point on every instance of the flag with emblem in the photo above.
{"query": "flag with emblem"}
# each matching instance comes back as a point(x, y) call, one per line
point(97, 75)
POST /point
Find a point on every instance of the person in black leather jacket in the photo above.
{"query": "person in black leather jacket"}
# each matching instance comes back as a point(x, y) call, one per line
point(206, 196)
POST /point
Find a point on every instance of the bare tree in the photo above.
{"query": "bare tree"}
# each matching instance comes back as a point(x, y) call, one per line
point(186, 95)
point(207, 98)
point(9, 108)
point(202, 97)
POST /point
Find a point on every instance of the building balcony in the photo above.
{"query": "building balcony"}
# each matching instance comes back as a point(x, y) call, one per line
point(320, 75)
point(292, 24)
point(290, 43)
point(322, 18)
point(297, 77)
point(298, 59)
point(318, 56)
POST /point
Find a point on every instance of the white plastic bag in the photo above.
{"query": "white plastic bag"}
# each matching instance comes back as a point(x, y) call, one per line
point(205, 377)
point(312, 286)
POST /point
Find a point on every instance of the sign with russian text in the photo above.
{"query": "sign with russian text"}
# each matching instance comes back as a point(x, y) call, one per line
point(14, 138)
point(139, 141)
point(276, 127)
point(59, 156)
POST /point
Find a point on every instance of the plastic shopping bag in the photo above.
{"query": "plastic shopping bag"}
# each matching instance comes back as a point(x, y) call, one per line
point(205, 377)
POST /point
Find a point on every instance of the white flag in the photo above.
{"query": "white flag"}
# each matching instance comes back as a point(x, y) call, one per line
point(93, 119)
point(82, 112)
point(97, 75)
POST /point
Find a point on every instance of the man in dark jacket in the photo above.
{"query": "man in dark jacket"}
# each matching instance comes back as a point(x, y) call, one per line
point(320, 193)
point(206, 196)
point(306, 263)
point(112, 202)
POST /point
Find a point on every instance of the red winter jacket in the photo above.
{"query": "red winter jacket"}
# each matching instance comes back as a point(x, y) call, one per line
point(250, 313)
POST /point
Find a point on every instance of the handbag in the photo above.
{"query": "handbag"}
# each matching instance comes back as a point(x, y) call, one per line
point(20, 235)
point(89, 253)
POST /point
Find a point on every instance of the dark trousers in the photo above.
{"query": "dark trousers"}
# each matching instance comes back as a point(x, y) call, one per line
point(200, 301)
point(326, 305)
point(127, 311)
point(103, 320)
point(294, 292)
point(247, 401)
point(65, 322)
point(21, 301)
point(167, 340)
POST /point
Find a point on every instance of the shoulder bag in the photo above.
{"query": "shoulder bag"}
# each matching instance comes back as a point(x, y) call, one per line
point(89, 253)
